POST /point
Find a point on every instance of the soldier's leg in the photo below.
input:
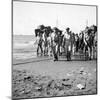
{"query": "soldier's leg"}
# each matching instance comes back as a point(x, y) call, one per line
point(51, 50)
point(70, 51)
point(55, 53)
point(68, 48)
point(86, 52)
point(41, 49)
point(38, 50)
point(90, 53)
point(66, 51)
point(59, 50)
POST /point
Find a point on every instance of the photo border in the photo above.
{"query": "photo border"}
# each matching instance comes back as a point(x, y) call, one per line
point(12, 44)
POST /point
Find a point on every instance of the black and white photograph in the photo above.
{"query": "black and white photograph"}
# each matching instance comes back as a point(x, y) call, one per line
point(54, 49)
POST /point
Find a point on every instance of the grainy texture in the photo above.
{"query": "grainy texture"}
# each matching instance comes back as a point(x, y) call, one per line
point(31, 84)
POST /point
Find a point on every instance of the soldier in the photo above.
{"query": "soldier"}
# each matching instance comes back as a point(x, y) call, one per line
point(54, 43)
point(60, 41)
point(39, 40)
point(67, 44)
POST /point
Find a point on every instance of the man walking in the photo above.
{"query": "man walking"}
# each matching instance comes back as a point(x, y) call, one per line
point(54, 42)
point(67, 44)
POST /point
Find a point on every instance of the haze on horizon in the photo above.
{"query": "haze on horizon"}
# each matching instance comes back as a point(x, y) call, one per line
point(29, 15)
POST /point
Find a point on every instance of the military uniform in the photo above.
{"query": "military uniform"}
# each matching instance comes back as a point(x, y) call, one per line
point(39, 45)
point(54, 43)
point(67, 45)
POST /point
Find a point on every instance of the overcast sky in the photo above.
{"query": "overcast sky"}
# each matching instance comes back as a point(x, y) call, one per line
point(27, 16)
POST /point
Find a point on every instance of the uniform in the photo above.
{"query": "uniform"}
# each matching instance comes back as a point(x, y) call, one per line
point(54, 43)
point(67, 45)
point(39, 41)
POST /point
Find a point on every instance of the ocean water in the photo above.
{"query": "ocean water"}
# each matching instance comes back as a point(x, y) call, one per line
point(24, 46)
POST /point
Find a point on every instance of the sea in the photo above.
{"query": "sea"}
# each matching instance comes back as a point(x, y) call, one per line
point(24, 46)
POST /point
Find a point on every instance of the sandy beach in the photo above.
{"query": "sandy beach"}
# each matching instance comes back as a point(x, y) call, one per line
point(34, 77)
point(46, 78)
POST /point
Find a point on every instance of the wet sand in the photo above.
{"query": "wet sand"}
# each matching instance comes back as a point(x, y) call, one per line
point(48, 78)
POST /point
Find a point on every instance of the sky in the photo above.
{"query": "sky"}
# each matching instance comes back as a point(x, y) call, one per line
point(29, 15)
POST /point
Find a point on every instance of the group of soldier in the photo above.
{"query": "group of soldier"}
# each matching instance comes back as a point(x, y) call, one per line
point(55, 42)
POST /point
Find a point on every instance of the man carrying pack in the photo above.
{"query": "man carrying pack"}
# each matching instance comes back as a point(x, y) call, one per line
point(54, 42)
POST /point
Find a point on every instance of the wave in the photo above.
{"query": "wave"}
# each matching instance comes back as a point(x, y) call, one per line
point(24, 44)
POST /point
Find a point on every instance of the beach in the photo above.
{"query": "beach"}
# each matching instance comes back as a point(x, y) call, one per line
point(34, 77)
point(47, 78)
